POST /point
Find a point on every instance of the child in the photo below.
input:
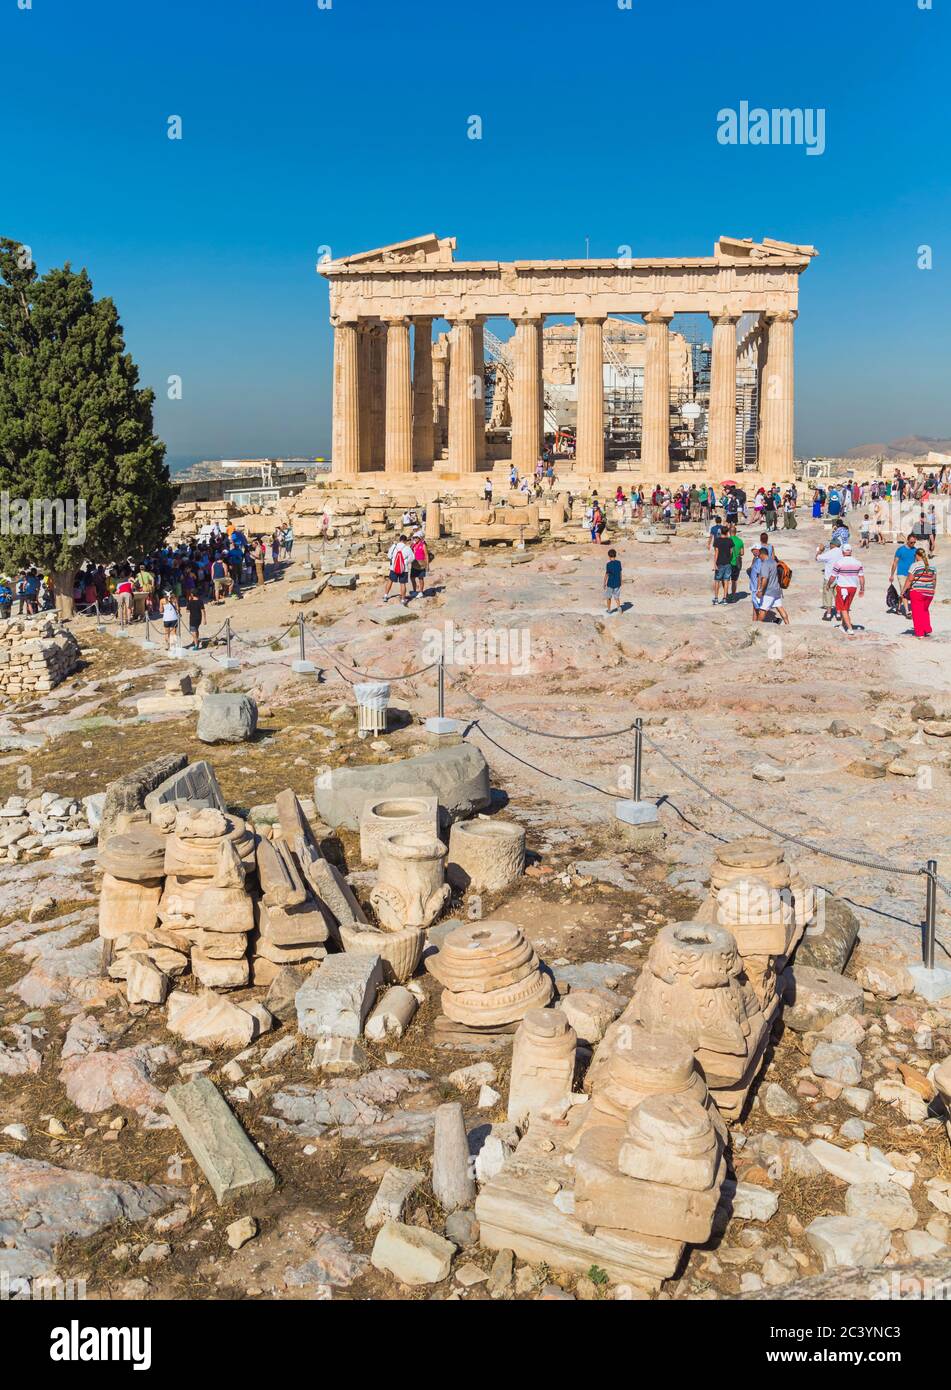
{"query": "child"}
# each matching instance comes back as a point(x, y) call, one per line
point(612, 581)
point(865, 531)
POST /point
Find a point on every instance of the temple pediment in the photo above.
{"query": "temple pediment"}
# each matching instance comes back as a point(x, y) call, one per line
point(420, 250)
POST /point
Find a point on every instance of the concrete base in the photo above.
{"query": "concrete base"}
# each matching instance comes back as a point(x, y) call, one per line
point(932, 985)
point(303, 668)
point(149, 645)
point(436, 724)
point(639, 813)
point(229, 663)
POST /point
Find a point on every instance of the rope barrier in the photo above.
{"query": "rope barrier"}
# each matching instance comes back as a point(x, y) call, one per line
point(366, 675)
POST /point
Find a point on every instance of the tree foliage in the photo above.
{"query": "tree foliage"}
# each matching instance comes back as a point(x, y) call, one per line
point(74, 423)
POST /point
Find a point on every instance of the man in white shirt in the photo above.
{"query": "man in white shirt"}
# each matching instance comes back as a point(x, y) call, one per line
point(401, 559)
point(849, 577)
point(828, 559)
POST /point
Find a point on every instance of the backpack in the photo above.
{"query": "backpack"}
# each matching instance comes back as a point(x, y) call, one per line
point(399, 563)
point(785, 574)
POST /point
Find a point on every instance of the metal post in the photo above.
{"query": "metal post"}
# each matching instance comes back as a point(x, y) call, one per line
point(638, 756)
point(228, 637)
point(302, 666)
point(98, 618)
point(178, 631)
point(300, 634)
point(441, 689)
point(931, 913)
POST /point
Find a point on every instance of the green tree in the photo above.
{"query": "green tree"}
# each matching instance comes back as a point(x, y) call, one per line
point(82, 475)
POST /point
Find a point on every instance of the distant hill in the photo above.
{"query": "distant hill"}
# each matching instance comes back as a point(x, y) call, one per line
point(915, 446)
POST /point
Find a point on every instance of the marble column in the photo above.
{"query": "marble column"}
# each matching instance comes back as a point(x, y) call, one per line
point(441, 395)
point(655, 418)
point(589, 454)
point(526, 418)
point(462, 431)
point(376, 396)
point(364, 353)
point(775, 457)
point(345, 452)
point(721, 420)
point(478, 401)
point(399, 398)
point(423, 438)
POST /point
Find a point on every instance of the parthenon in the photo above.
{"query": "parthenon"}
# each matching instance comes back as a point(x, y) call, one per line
point(400, 408)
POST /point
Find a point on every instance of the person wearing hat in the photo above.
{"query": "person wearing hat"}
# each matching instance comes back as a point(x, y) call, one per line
point(848, 575)
point(420, 562)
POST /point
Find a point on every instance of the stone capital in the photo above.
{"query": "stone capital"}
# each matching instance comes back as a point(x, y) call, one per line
point(396, 320)
point(348, 321)
point(657, 316)
point(526, 316)
point(591, 318)
point(723, 316)
point(781, 315)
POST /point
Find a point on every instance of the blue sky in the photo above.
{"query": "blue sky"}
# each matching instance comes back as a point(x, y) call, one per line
point(306, 126)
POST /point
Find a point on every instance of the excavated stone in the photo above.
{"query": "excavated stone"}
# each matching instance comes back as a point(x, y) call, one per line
point(225, 1154)
point(457, 776)
point(335, 1000)
point(227, 719)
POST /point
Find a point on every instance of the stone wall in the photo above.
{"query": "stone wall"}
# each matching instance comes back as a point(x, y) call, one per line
point(35, 654)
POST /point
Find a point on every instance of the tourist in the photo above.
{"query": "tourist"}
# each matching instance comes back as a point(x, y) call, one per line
point(769, 511)
point(275, 549)
point(400, 559)
point(828, 559)
point(420, 563)
point(902, 562)
point(124, 597)
point(865, 532)
point(170, 617)
point(221, 583)
point(766, 544)
point(6, 597)
point(487, 490)
point(550, 475)
point(753, 575)
point(612, 582)
point(513, 478)
point(770, 589)
point(932, 529)
point(196, 616)
point(919, 589)
point(716, 526)
point(736, 559)
point(849, 576)
point(722, 566)
point(287, 541)
point(817, 504)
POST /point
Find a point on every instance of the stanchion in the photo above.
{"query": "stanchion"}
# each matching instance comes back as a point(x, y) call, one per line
point(302, 666)
point(147, 639)
point(99, 622)
point(229, 663)
point(639, 818)
point(638, 756)
point(438, 723)
point(931, 982)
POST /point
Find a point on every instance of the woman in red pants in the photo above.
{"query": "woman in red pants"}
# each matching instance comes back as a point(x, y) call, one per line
point(920, 587)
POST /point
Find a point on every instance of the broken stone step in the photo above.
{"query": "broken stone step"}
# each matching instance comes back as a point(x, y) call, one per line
point(225, 1154)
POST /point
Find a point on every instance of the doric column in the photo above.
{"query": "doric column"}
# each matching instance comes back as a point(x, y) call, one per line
point(376, 395)
point(441, 395)
point(590, 447)
point(655, 418)
point(721, 420)
point(345, 453)
point(776, 397)
point(526, 417)
point(462, 431)
point(364, 353)
point(478, 401)
point(423, 446)
point(399, 397)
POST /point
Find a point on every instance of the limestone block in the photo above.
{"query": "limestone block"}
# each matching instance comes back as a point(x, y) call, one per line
point(411, 889)
point(128, 793)
point(543, 1063)
point(335, 892)
point(200, 856)
point(335, 1000)
point(145, 983)
point(392, 1015)
point(411, 1253)
point(417, 815)
point(670, 1139)
point(838, 1062)
point(282, 990)
point(591, 1012)
point(606, 1197)
point(485, 855)
point(294, 926)
point(195, 783)
point(396, 1187)
point(829, 941)
point(885, 1202)
point(848, 1241)
point(208, 1020)
point(126, 906)
point(279, 876)
point(457, 776)
point(816, 997)
point(227, 719)
point(217, 973)
point(223, 910)
point(225, 1154)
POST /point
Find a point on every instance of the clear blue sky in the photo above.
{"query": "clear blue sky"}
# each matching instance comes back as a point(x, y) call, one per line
point(346, 127)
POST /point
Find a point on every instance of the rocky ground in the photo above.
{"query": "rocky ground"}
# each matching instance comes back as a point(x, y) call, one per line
point(840, 741)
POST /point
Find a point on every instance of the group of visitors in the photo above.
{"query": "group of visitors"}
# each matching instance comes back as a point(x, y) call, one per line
point(409, 562)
